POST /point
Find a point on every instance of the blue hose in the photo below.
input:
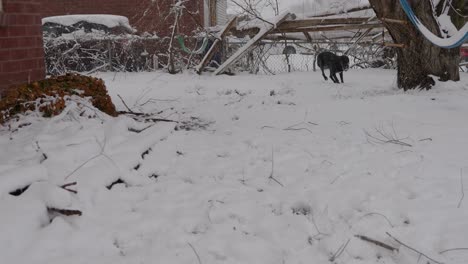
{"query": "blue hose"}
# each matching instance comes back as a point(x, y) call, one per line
point(447, 43)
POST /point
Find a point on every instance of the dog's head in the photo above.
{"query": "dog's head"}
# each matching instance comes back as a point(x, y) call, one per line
point(344, 60)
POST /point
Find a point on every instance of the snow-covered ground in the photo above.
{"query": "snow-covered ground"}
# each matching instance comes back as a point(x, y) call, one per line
point(259, 169)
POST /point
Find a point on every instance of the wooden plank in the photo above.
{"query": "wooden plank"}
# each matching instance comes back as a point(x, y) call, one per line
point(251, 44)
point(394, 45)
point(323, 22)
point(308, 37)
point(358, 40)
point(326, 28)
point(212, 7)
point(347, 11)
point(396, 21)
point(209, 55)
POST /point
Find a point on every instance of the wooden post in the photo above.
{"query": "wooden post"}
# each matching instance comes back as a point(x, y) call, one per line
point(213, 13)
point(251, 43)
point(199, 68)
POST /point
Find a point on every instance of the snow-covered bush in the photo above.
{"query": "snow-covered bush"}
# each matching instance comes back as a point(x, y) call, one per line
point(100, 51)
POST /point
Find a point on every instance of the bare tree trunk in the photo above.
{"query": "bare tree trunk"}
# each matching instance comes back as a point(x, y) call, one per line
point(419, 58)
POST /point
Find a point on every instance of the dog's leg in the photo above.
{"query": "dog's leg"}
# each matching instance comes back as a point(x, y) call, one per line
point(341, 77)
point(333, 76)
point(323, 73)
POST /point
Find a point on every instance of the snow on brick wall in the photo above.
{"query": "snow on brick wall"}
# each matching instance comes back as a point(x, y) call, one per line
point(21, 51)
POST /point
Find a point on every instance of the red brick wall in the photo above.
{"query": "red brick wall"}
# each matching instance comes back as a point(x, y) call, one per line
point(21, 50)
point(145, 15)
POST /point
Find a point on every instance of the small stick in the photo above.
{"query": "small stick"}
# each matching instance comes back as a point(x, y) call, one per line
point(65, 211)
point(339, 251)
point(68, 185)
point(452, 249)
point(419, 252)
point(374, 213)
point(272, 169)
point(375, 242)
point(298, 129)
point(462, 189)
point(90, 159)
point(194, 251)
point(426, 139)
point(125, 104)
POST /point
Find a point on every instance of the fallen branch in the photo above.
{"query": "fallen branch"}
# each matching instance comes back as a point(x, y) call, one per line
point(377, 243)
point(412, 249)
point(66, 212)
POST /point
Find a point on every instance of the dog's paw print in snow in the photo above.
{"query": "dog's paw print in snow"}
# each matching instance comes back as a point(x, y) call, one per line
point(301, 208)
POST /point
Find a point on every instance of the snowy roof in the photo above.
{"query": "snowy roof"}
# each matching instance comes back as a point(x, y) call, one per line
point(110, 21)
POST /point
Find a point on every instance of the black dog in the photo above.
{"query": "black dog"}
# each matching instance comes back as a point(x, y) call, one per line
point(336, 64)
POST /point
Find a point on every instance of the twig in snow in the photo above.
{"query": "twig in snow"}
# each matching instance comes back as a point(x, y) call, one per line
point(452, 249)
point(426, 139)
point(462, 189)
point(90, 159)
point(273, 169)
point(320, 233)
point(298, 129)
point(134, 130)
point(386, 138)
point(194, 251)
point(68, 185)
point(339, 251)
point(337, 178)
point(373, 213)
point(125, 104)
point(66, 212)
point(44, 156)
point(377, 243)
point(412, 249)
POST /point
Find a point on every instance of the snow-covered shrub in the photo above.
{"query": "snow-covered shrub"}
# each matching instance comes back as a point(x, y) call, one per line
point(100, 51)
